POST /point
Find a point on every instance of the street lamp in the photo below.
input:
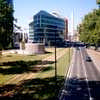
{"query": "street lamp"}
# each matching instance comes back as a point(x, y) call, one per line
point(55, 66)
point(55, 60)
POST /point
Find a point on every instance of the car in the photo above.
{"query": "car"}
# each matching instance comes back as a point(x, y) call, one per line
point(88, 59)
point(78, 48)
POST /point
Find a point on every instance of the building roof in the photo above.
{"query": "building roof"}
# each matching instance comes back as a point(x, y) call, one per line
point(42, 12)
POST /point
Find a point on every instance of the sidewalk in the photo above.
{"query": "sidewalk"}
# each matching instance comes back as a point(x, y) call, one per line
point(95, 55)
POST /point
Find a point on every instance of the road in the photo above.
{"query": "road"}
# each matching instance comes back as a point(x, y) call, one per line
point(83, 79)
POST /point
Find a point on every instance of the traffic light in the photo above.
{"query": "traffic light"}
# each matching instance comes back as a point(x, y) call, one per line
point(98, 1)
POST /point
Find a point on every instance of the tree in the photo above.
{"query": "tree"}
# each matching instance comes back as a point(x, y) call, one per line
point(6, 24)
point(89, 29)
point(98, 1)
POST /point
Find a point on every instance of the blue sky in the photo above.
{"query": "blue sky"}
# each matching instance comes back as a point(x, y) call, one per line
point(25, 9)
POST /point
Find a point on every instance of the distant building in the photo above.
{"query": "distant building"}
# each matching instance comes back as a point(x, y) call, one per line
point(66, 30)
point(46, 27)
point(18, 37)
point(31, 32)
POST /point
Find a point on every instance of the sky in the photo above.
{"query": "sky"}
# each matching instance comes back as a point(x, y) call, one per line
point(24, 10)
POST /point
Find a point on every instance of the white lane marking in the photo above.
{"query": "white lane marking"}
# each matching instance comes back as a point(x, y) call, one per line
point(71, 64)
point(90, 98)
point(68, 71)
point(68, 74)
point(78, 65)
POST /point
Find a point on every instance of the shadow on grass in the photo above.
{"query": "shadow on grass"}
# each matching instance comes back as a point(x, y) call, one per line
point(47, 69)
point(9, 56)
point(18, 67)
point(33, 89)
point(47, 52)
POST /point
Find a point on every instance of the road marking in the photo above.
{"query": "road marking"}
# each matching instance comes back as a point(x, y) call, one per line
point(71, 65)
point(70, 68)
point(90, 98)
point(67, 75)
point(78, 64)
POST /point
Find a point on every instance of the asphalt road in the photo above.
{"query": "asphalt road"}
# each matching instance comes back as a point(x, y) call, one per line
point(83, 79)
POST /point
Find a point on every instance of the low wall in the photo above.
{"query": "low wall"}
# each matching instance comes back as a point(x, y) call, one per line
point(30, 48)
point(34, 48)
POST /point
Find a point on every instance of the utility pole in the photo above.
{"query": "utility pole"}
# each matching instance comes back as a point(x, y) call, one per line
point(55, 59)
point(55, 67)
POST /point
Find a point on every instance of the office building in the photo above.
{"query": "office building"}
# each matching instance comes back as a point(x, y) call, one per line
point(31, 32)
point(47, 28)
point(18, 37)
point(66, 29)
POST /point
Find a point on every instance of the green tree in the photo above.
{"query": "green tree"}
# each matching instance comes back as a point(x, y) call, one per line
point(89, 29)
point(6, 24)
point(98, 1)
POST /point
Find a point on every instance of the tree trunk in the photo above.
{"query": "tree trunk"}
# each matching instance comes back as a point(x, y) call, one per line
point(96, 46)
point(0, 53)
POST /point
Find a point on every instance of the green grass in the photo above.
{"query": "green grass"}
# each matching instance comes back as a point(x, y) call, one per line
point(45, 80)
point(42, 85)
point(18, 57)
point(63, 63)
point(62, 67)
point(5, 78)
point(13, 64)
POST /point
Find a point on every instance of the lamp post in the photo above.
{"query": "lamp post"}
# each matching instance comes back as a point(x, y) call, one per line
point(55, 67)
point(55, 59)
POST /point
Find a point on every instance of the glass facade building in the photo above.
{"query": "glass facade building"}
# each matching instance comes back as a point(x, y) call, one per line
point(48, 28)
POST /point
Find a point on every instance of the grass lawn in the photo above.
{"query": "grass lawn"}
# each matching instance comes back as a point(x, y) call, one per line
point(13, 64)
point(18, 57)
point(42, 85)
point(62, 66)
point(47, 79)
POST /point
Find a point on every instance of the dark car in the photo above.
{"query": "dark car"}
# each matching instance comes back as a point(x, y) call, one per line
point(78, 48)
point(88, 58)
